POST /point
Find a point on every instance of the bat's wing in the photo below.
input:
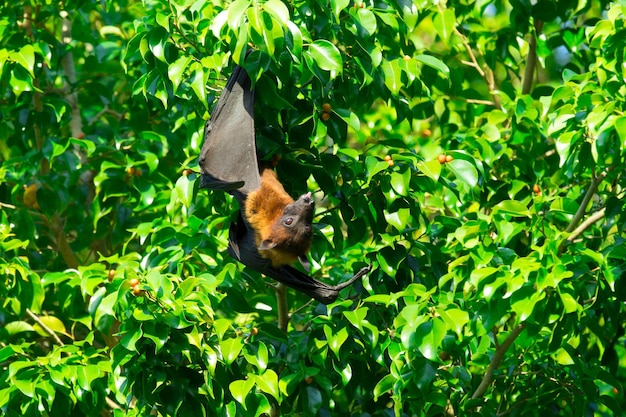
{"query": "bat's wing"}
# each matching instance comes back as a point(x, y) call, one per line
point(242, 247)
point(228, 158)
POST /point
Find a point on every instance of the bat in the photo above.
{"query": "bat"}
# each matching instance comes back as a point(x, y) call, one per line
point(272, 229)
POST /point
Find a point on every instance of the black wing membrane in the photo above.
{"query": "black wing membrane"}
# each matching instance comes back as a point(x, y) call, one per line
point(242, 247)
point(228, 159)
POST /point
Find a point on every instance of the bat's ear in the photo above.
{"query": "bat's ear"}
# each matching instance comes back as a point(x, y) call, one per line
point(267, 244)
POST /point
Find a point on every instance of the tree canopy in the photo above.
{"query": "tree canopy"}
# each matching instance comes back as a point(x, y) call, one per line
point(472, 152)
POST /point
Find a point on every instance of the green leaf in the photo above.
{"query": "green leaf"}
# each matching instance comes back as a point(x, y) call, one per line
point(185, 190)
point(374, 166)
point(258, 357)
point(335, 339)
point(339, 6)
point(432, 169)
point(455, 319)
point(326, 56)
point(176, 70)
point(268, 383)
point(384, 386)
point(157, 40)
point(295, 41)
point(278, 10)
point(511, 208)
point(400, 181)
point(15, 327)
point(198, 82)
point(398, 219)
point(444, 23)
point(230, 349)
point(393, 76)
point(240, 390)
point(52, 323)
point(464, 171)
point(429, 336)
point(620, 128)
point(236, 11)
point(130, 339)
point(435, 63)
point(26, 58)
point(366, 19)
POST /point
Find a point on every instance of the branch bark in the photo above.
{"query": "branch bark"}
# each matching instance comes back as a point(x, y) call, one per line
point(495, 361)
point(57, 228)
point(485, 72)
point(586, 199)
point(44, 327)
point(531, 59)
point(283, 311)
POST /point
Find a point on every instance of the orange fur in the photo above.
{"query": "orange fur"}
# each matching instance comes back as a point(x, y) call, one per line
point(264, 211)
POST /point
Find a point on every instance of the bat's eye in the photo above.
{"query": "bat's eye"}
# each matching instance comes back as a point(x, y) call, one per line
point(288, 221)
point(307, 229)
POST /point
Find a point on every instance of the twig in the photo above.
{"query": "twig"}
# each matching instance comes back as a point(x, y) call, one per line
point(67, 62)
point(57, 227)
point(180, 31)
point(497, 358)
point(113, 404)
point(281, 301)
point(478, 101)
point(46, 328)
point(585, 224)
point(531, 59)
point(573, 227)
point(485, 72)
point(583, 205)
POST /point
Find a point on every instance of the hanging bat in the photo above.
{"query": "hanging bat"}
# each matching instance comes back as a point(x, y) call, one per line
point(272, 230)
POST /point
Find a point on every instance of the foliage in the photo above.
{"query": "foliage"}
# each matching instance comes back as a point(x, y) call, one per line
point(472, 151)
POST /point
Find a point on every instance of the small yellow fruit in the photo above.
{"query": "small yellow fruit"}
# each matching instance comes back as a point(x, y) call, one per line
point(133, 282)
point(137, 292)
point(327, 107)
point(325, 116)
point(449, 158)
point(442, 159)
point(537, 189)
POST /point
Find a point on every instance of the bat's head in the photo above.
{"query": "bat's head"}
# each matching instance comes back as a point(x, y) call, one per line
point(292, 231)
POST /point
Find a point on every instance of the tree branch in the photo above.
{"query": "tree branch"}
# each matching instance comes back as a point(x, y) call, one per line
point(45, 328)
point(588, 196)
point(63, 246)
point(531, 59)
point(497, 358)
point(283, 311)
point(585, 224)
point(485, 72)
point(76, 122)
